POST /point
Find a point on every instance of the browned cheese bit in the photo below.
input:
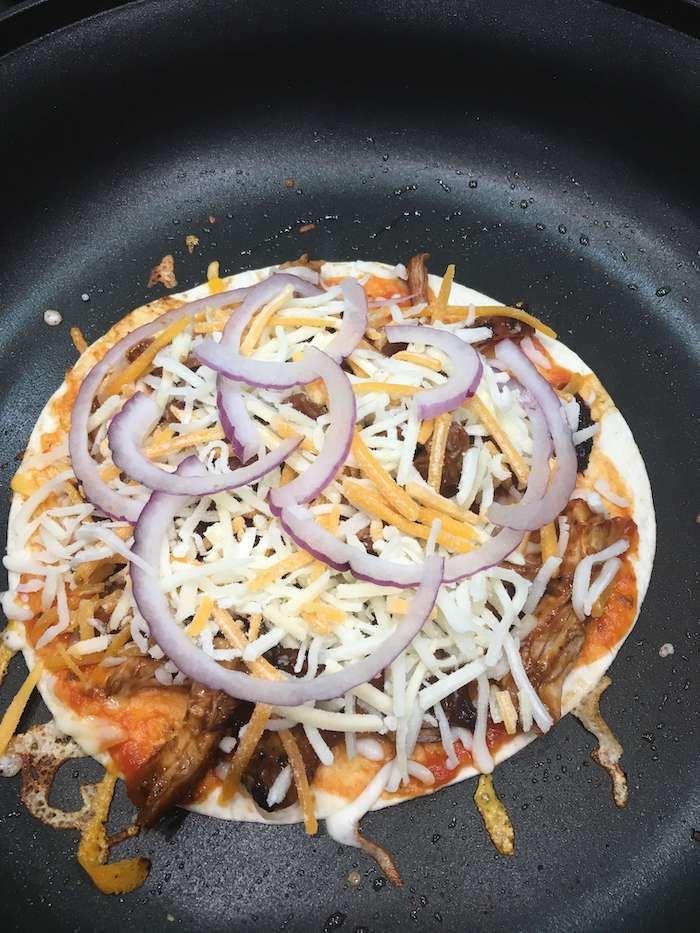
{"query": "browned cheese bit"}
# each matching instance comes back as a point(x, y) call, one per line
point(609, 750)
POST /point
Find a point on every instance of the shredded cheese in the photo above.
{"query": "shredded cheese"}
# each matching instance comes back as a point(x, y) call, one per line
point(437, 309)
point(14, 711)
point(548, 541)
point(116, 877)
point(79, 341)
point(387, 486)
point(304, 793)
point(262, 320)
point(244, 752)
point(489, 421)
point(144, 360)
point(438, 446)
point(201, 618)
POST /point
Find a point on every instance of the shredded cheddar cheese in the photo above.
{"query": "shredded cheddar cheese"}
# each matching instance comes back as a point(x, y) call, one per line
point(436, 309)
point(216, 283)
point(297, 320)
point(244, 751)
point(438, 446)
point(548, 541)
point(489, 421)
point(282, 567)
point(456, 313)
point(23, 483)
point(193, 439)
point(117, 877)
point(371, 502)
point(304, 792)
point(420, 359)
point(14, 711)
point(262, 320)
point(399, 606)
point(385, 483)
point(425, 431)
point(285, 430)
point(434, 500)
point(144, 360)
point(391, 388)
point(201, 618)
point(79, 341)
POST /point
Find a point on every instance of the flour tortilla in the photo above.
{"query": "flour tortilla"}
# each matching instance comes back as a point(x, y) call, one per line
point(614, 439)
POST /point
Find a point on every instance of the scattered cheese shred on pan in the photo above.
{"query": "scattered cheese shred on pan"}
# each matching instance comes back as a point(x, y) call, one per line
point(609, 750)
point(14, 711)
point(79, 341)
point(489, 421)
point(494, 815)
point(384, 482)
point(216, 283)
point(6, 655)
point(144, 360)
point(201, 617)
point(438, 446)
point(304, 792)
point(118, 877)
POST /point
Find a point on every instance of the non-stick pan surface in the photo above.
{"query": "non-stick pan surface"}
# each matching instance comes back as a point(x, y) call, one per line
point(547, 149)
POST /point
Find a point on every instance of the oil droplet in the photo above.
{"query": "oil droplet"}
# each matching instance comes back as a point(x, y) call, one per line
point(561, 228)
point(334, 922)
point(662, 291)
point(524, 205)
point(379, 883)
point(583, 240)
point(354, 879)
point(443, 185)
point(473, 183)
point(539, 226)
point(632, 287)
point(52, 317)
point(85, 297)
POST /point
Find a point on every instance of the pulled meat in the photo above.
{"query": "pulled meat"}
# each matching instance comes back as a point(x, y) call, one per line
point(270, 758)
point(172, 774)
point(388, 349)
point(551, 649)
point(459, 709)
point(306, 406)
point(138, 349)
point(131, 676)
point(418, 277)
point(457, 445)
point(303, 260)
point(503, 328)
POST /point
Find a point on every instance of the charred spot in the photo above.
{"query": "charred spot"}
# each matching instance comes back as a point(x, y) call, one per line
point(583, 450)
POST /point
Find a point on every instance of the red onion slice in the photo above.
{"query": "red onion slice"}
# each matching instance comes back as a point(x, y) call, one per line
point(337, 440)
point(466, 367)
point(354, 325)
point(302, 528)
point(238, 426)
point(534, 513)
point(96, 490)
point(152, 603)
point(133, 422)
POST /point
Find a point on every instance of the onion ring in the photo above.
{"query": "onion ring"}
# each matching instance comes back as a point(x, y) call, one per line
point(152, 603)
point(130, 426)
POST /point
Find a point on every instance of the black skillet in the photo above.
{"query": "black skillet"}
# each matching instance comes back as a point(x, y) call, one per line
point(545, 147)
